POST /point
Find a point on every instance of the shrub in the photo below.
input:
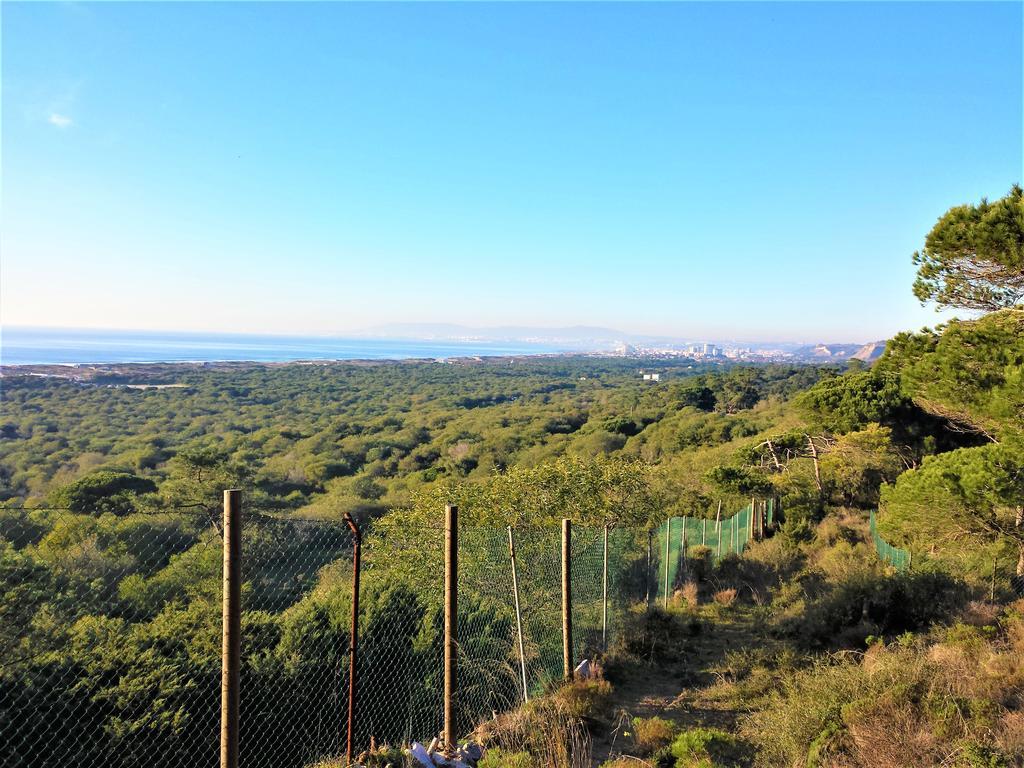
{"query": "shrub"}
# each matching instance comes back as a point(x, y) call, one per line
point(585, 699)
point(706, 748)
point(652, 733)
point(699, 562)
point(875, 603)
point(655, 636)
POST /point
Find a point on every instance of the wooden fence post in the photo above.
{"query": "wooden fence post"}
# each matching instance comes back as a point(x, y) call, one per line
point(567, 665)
point(353, 646)
point(519, 615)
point(231, 617)
point(451, 614)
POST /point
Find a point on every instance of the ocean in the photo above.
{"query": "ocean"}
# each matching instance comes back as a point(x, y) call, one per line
point(52, 346)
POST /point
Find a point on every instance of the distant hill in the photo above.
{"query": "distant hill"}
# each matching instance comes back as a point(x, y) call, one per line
point(840, 352)
point(871, 352)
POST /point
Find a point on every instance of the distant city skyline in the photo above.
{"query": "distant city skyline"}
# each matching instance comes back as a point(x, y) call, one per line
point(704, 171)
point(77, 347)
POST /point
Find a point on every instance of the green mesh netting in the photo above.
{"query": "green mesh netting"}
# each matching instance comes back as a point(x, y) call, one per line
point(896, 557)
point(729, 535)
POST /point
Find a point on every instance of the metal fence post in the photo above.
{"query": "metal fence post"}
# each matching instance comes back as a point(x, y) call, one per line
point(604, 594)
point(451, 612)
point(519, 615)
point(718, 529)
point(668, 539)
point(231, 617)
point(567, 665)
point(682, 549)
point(647, 573)
point(353, 647)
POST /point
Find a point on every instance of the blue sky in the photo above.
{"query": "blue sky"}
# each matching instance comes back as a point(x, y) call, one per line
point(751, 171)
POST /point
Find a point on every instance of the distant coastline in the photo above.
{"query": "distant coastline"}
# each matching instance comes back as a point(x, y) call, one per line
point(49, 346)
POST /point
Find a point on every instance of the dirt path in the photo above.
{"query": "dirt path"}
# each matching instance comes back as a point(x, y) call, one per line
point(677, 683)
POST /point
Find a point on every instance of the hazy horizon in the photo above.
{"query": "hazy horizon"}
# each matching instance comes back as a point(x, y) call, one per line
point(447, 331)
point(719, 171)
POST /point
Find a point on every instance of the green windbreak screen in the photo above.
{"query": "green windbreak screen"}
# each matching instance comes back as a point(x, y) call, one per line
point(896, 557)
point(680, 534)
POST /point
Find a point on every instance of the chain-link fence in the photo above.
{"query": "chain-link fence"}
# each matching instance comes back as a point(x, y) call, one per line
point(111, 639)
point(110, 632)
point(678, 541)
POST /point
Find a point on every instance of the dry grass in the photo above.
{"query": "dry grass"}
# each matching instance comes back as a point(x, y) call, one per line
point(980, 614)
point(725, 596)
point(690, 594)
point(1010, 733)
point(893, 733)
point(626, 761)
point(553, 730)
point(913, 702)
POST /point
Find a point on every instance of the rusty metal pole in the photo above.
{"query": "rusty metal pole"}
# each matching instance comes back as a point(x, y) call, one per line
point(451, 613)
point(231, 616)
point(353, 646)
point(567, 665)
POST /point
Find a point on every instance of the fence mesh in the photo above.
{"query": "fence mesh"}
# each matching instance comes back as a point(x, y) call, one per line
point(110, 633)
point(112, 630)
point(894, 556)
point(110, 640)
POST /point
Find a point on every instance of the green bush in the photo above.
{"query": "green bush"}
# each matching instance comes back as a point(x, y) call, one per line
point(499, 758)
point(880, 604)
point(706, 748)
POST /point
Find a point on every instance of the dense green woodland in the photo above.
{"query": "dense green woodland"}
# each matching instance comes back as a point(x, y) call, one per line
point(110, 553)
point(348, 437)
